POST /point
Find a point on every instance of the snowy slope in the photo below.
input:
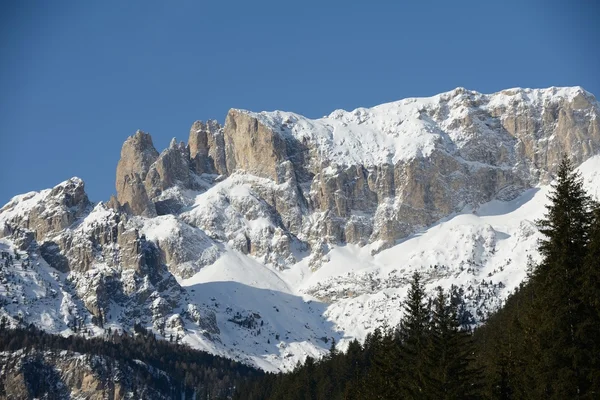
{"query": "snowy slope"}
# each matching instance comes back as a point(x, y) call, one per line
point(240, 308)
point(485, 251)
point(252, 268)
point(401, 130)
point(37, 293)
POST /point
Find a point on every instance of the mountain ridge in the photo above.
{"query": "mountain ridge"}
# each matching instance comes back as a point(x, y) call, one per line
point(255, 242)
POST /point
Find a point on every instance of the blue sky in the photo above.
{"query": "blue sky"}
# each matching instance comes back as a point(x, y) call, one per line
point(78, 77)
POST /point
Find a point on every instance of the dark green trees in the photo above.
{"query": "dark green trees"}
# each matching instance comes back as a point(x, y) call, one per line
point(543, 344)
point(449, 355)
point(546, 341)
point(562, 288)
point(429, 356)
point(589, 332)
point(413, 339)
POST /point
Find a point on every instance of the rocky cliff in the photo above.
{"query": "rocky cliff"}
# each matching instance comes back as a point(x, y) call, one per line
point(371, 175)
point(214, 241)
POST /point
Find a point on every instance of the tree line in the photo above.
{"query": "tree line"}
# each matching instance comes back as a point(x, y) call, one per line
point(191, 373)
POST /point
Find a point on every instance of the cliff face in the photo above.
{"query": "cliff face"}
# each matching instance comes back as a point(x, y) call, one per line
point(376, 175)
point(137, 155)
point(281, 190)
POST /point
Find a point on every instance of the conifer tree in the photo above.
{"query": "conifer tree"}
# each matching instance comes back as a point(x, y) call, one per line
point(587, 333)
point(448, 357)
point(558, 299)
point(332, 349)
point(384, 374)
point(413, 335)
point(590, 279)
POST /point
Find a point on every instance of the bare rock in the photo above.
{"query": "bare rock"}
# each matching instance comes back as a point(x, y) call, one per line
point(137, 156)
point(207, 148)
point(171, 168)
point(252, 147)
point(46, 213)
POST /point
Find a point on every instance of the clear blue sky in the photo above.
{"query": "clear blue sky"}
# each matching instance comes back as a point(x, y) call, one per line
point(78, 77)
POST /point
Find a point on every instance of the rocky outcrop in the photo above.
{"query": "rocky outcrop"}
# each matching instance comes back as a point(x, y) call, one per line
point(283, 189)
point(46, 213)
point(106, 258)
point(144, 176)
point(252, 146)
point(549, 129)
point(137, 156)
point(207, 148)
point(370, 175)
point(172, 168)
point(470, 149)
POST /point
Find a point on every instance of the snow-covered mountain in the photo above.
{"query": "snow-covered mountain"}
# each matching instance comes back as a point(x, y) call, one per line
point(265, 238)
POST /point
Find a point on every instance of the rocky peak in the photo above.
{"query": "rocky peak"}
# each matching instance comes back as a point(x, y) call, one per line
point(172, 167)
point(279, 189)
point(207, 150)
point(377, 174)
point(45, 213)
point(137, 155)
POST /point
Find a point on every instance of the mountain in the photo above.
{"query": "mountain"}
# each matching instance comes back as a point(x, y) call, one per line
point(264, 238)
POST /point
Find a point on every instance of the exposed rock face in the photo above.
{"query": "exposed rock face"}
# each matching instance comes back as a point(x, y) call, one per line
point(170, 169)
point(144, 177)
point(62, 206)
point(283, 189)
point(371, 175)
point(253, 147)
point(137, 155)
point(108, 261)
point(207, 148)
point(551, 129)
point(459, 148)
point(65, 375)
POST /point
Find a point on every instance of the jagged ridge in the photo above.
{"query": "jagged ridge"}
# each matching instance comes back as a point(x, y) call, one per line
point(256, 206)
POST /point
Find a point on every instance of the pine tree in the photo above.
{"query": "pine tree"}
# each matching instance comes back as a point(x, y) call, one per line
point(558, 298)
point(448, 357)
point(587, 333)
point(307, 379)
point(379, 383)
point(591, 277)
point(332, 349)
point(413, 335)
point(353, 371)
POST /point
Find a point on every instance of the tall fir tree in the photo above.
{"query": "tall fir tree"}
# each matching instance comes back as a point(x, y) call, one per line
point(558, 306)
point(587, 333)
point(384, 375)
point(448, 358)
point(413, 335)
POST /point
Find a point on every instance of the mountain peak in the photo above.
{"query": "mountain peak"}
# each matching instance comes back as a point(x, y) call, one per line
point(216, 241)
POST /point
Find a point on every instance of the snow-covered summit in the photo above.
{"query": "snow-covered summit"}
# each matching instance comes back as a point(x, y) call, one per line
point(405, 129)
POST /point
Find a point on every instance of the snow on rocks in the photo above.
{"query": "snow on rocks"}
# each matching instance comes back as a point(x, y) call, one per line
point(292, 231)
